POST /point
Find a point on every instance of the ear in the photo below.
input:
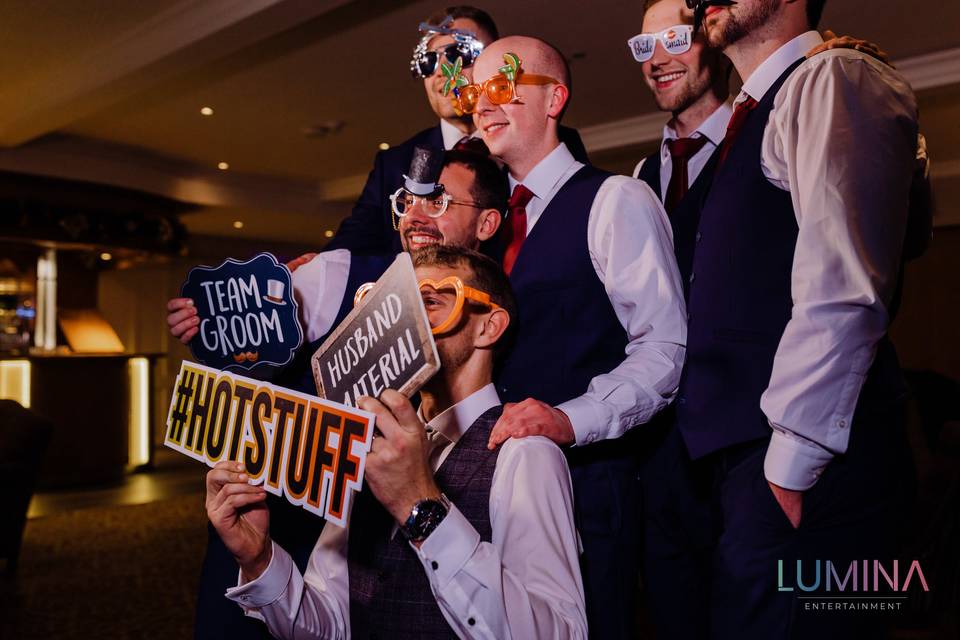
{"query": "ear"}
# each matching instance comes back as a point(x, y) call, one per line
point(491, 329)
point(559, 96)
point(487, 224)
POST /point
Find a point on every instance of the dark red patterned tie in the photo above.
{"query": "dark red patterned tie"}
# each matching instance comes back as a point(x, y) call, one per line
point(740, 113)
point(516, 225)
point(681, 150)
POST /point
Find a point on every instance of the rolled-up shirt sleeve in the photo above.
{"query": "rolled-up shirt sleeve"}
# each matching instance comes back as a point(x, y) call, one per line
point(842, 138)
point(525, 582)
point(631, 246)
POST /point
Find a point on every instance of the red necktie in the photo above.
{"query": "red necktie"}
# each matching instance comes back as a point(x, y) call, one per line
point(681, 150)
point(517, 227)
point(740, 113)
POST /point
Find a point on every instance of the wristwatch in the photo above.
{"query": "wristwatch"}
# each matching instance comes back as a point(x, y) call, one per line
point(425, 516)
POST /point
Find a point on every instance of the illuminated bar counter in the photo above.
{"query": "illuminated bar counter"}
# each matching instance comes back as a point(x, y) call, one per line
point(100, 408)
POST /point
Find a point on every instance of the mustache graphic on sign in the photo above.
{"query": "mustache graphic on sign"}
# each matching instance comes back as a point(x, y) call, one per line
point(248, 356)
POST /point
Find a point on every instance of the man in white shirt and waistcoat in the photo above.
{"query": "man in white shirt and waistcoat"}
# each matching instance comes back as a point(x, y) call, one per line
point(791, 399)
point(448, 538)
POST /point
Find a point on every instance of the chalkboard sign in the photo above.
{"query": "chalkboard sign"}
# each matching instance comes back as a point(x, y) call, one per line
point(384, 343)
point(248, 316)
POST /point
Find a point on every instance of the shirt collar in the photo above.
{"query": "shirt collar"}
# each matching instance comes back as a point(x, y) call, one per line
point(451, 135)
point(776, 63)
point(544, 177)
point(714, 128)
point(454, 421)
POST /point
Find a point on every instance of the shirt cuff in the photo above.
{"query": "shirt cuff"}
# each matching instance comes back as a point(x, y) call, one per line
point(585, 420)
point(269, 585)
point(794, 463)
point(448, 548)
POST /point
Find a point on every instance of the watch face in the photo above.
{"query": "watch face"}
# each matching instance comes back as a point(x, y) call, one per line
point(424, 518)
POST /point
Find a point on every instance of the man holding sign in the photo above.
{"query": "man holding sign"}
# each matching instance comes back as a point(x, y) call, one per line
point(325, 287)
point(448, 537)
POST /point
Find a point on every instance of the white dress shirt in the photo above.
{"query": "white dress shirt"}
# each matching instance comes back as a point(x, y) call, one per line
point(451, 135)
point(319, 287)
point(525, 583)
point(714, 128)
point(842, 138)
point(631, 246)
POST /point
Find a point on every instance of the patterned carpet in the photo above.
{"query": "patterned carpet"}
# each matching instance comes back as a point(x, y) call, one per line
point(110, 572)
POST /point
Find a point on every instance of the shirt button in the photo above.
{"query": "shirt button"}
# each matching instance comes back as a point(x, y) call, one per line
point(435, 565)
point(842, 424)
point(471, 621)
point(693, 277)
point(699, 235)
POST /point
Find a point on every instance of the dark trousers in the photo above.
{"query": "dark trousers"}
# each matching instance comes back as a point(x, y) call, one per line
point(606, 503)
point(292, 528)
point(716, 537)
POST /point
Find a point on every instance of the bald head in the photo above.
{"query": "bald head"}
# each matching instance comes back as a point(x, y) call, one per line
point(538, 56)
point(522, 131)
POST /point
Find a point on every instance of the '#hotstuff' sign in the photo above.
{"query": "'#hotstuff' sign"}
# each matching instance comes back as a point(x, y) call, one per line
point(308, 450)
point(384, 343)
point(248, 316)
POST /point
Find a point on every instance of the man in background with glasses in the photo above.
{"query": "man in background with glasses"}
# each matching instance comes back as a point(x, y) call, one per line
point(448, 538)
point(601, 334)
point(458, 32)
point(690, 80)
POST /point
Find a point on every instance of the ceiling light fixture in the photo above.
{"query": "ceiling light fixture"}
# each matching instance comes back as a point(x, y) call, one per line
point(238, 224)
point(223, 166)
point(328, 233)
point(384, 146)
point(105, 256)
point(206, 111)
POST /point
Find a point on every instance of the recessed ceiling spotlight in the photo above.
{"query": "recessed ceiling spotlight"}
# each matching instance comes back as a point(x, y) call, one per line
point(328, 233)
point(238, 224)
point(223, 166)
point(384, 146)
point(105, 256)
point(206, 111)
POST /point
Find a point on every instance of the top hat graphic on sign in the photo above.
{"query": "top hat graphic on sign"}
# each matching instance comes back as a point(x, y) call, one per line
point(275, 292)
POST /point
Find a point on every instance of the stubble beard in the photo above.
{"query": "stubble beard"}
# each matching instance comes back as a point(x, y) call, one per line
point(740, 23)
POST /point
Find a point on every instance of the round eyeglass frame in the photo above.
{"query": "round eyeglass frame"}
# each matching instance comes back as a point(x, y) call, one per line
point(446, 197)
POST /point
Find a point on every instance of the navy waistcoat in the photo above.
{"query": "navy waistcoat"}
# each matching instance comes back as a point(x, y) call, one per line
point(685, 218)
point(740, 299)
point(390, 594)
point(567, 331)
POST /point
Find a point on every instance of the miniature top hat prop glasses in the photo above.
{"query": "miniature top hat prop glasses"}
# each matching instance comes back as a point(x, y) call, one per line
point(425, 167)
point(420, 181)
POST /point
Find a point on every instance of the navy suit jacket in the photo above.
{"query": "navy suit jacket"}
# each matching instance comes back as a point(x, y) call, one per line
point(369, 228)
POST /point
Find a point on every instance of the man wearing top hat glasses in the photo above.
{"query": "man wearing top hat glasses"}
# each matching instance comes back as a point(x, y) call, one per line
point(453, 198)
